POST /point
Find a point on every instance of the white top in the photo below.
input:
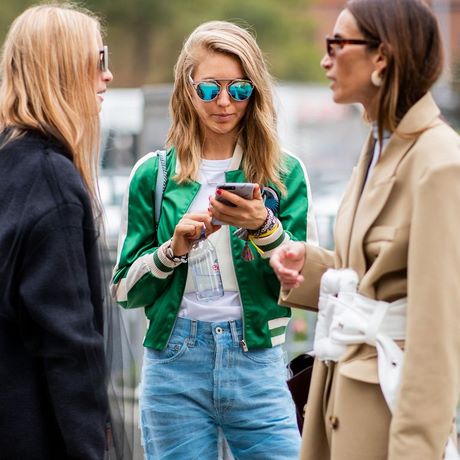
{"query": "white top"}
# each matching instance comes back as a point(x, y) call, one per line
point(228, 307)
point(377, 150)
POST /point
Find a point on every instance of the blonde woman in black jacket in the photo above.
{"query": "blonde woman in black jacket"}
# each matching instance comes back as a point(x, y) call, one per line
point(53, 403)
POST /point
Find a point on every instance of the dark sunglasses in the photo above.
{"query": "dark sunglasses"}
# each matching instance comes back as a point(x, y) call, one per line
point(104, 59)
point(332, 44)
point(208, 90)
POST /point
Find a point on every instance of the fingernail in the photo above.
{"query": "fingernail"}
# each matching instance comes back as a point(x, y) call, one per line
point(218, 191)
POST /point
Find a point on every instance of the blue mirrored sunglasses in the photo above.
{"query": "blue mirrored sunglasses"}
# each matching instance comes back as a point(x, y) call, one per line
point(208, 90)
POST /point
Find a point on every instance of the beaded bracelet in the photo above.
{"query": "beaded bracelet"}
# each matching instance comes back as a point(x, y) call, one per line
point(269, 223)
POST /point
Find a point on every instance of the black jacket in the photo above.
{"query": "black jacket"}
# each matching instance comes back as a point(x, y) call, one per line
point(53, 403)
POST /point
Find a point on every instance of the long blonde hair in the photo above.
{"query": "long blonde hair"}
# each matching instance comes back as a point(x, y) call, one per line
point(262, 158)
point(48, 67)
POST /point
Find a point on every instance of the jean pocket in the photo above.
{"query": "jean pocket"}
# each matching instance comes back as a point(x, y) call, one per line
point(171, 353)
point(265, 355)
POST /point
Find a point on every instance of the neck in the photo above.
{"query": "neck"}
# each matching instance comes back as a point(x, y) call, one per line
point(371, 109)
point(219, 147)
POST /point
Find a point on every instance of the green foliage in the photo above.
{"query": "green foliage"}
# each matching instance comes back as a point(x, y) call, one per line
point(145, 36)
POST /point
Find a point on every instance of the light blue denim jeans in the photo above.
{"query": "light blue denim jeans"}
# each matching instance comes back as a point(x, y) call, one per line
point(202, 381)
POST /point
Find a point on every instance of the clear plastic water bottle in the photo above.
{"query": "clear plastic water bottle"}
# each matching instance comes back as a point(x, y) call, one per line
point(204, 266)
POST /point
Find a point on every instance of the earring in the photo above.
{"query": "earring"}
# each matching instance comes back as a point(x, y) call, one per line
point(376, 79)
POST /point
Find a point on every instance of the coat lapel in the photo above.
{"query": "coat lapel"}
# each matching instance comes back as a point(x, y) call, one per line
point(359, 210)
point(378, 188)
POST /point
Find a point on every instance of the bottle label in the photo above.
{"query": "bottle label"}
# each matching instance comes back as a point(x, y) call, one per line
point(204, 266)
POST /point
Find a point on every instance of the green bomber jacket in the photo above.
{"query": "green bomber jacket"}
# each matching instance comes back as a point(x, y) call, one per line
point(142, 278)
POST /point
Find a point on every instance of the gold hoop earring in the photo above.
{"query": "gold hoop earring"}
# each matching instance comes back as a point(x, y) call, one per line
point(376, 79)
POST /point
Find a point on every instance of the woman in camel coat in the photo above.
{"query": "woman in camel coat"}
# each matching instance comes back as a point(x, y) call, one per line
point(397, 228)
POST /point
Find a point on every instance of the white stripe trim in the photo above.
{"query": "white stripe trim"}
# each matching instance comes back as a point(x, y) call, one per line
point(278, 322)
point(137, 270)
point(312, 229)
point(278, 340)
point(236, 157)
point(120, 291)
point(124, 208)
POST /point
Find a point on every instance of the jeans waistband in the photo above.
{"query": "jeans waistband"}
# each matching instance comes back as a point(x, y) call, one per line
point(209, 330)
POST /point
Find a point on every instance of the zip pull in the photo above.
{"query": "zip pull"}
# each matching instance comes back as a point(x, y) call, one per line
point(244, 346)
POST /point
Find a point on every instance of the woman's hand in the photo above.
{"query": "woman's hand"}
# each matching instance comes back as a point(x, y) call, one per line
point(249, 214)
point(189, 229)
point(287, 260)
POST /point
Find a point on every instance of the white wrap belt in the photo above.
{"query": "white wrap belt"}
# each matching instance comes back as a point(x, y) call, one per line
point(346, 317)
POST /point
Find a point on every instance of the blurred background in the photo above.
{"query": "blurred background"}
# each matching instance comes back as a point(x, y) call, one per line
point(144, 39)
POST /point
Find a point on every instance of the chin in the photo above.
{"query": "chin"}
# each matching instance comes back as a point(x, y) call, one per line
point(337, 97)
point(223, 129)
point(342, 99)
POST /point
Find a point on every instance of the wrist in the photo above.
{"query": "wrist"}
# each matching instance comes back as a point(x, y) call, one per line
point(170, 254)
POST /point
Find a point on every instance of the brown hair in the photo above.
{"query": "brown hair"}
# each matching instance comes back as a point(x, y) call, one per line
point(48, 67)
point(411, 41)
point(261, 162)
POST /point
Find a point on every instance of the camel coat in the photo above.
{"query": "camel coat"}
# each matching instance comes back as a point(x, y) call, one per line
point(400, 231)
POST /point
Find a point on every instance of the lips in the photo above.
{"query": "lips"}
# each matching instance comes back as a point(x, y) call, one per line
point(99, 94)
point(223, 116)
point(332, 80)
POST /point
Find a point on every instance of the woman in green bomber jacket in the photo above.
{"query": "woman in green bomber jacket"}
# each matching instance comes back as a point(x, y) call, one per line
point(217, 364)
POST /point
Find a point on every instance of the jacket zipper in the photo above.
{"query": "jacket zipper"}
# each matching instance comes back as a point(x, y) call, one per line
point(243, 344)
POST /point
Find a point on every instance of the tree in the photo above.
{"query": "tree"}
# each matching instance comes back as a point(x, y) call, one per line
point(145, 36)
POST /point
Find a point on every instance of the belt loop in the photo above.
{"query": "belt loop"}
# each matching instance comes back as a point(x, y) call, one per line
point(234, 332)
point(193, 330)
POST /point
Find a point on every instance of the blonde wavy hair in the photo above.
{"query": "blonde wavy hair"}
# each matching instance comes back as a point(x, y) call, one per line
point(48, 67)
point(262, 158)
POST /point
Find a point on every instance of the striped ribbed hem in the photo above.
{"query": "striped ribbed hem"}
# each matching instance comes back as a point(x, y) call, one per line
point(157, 264)
point(269, 243)
point(278, 330)
point(162, 266)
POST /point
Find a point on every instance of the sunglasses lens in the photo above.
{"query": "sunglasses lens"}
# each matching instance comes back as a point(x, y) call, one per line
point(207, 90)
point(240, 90)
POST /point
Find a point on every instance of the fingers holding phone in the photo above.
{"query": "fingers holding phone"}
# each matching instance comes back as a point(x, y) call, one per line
point(238, 204)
